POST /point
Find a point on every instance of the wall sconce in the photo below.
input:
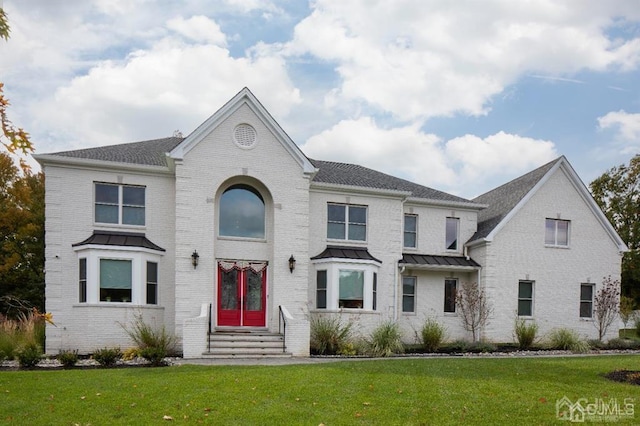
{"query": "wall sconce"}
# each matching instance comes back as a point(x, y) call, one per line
point(194, 259)
point(292, 264)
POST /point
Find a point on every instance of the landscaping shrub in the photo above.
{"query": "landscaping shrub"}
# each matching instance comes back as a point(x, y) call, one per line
point(623, 344)
point(482, 347)
point(329, 336)
point(526, 332)
point(568, 340)
point(158, 340)
point(637, 325)
point(155, 355)
point(107, 357)
point(29, 355)
point(433, 334)
point(386, 340)
point(68, 358)
point(457, 346)
point(16, 334)
point(130, 354)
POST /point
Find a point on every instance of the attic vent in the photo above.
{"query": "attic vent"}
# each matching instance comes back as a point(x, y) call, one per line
point(244, 135)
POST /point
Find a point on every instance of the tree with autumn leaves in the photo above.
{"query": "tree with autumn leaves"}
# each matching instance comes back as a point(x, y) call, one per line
point(21, 215)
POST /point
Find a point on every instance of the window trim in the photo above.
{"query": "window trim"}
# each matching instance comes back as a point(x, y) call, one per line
point(555, 242)
point(138, 257)
point(530, 300)
point(457, 239)
point(591, 301)
point(413, 232)
point(347, 221)
point(412, 296)
point(121, 205)
point(455, 289)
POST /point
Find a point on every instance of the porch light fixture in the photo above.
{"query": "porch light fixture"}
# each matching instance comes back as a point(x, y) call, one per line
point(194, 259)
point(292, 264)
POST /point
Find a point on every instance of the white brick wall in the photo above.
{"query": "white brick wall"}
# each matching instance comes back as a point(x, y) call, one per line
point(518, 253)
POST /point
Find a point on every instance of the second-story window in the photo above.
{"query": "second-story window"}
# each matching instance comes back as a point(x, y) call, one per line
point(119, 204)
point(410, 231)
point(556, 232)
point(346, 222)
point(452, 228)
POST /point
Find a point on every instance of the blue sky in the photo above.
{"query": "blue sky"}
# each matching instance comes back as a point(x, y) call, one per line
point(461, 98)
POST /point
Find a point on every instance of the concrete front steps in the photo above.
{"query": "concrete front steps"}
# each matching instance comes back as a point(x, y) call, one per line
point(253, 343)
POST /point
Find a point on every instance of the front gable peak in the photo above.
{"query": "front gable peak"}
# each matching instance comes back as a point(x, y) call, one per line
point(243, 98)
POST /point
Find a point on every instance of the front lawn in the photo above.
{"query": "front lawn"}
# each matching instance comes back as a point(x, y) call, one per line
point(395, 391)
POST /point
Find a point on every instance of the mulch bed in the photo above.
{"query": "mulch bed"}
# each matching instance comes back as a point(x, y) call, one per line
point(624, 376)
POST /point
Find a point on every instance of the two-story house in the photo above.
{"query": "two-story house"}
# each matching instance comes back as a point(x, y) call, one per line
point(234, 230)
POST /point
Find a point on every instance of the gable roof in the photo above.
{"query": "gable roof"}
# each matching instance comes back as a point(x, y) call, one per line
point(353, 175)
point(243, 98)
point(506, 200)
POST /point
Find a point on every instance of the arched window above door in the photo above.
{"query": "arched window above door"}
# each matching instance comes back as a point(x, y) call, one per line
point(242, 213)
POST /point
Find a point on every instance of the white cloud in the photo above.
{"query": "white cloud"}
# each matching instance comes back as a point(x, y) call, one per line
point(466, 165)
point(627, 130)
point(417, 59)
point(198, 29)
point(172, 85)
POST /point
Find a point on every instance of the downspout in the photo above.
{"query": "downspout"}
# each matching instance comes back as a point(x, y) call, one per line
point(395, 290)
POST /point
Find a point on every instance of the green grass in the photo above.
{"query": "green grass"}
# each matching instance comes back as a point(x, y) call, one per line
point(396, 391)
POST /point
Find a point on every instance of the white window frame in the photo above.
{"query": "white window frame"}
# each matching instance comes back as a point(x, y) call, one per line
point(591, 301)
point(555, 243)
point(414, 231)
point(347, 222)
point(414, 295)
point(137, 255)
point(121, 205)
point(455, 220)
point(530, 300)
point(333, 266)
point(444, 304)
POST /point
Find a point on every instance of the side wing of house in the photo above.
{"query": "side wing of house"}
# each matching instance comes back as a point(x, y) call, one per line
point(547, 257)
point(109, 251)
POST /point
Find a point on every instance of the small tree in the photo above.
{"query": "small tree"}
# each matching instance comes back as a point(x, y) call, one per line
point(626, 310)
point(474, 308)
point(605, 305)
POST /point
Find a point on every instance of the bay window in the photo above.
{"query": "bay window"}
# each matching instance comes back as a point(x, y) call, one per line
point(346, 284)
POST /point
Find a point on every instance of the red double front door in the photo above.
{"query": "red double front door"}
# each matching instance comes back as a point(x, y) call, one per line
point(241, 294)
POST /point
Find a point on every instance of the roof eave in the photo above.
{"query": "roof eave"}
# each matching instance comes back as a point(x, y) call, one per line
point(352, 189)
point(86, 163)
point(447, 203)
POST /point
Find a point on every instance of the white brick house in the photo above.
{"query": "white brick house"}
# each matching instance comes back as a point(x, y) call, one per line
point(125, 225)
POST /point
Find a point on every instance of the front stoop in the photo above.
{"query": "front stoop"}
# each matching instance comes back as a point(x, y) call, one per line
point(245, 344)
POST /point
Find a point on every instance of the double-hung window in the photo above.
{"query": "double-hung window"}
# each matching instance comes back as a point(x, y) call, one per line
point(82, 290)
point(152, 283)
point(119, 204)
point(452, 229)
point(321, 289)
point(556, 232)
point(586, 300)
point(410, 231)
point(450, 285)
point(525, 298)
point(346, 222)
point(408, 294)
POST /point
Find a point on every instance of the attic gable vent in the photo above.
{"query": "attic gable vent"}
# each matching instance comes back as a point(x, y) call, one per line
point(244, 135)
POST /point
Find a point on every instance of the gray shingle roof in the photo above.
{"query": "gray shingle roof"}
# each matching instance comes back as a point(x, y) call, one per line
point(150, 153)
point(354, 175)
point(503, 199)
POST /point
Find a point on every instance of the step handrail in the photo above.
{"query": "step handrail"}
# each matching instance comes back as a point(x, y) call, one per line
point(282, 328)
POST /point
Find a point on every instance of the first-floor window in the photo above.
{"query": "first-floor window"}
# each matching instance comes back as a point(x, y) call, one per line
point(351, 289)
point(525, 298)
point(408, 294)
point(118, 276)
point(586, 300)
point(82, 290)
point(321, 289)
point(115, 280)
point(450, 285)
point(152, 283)
point(345, 284)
